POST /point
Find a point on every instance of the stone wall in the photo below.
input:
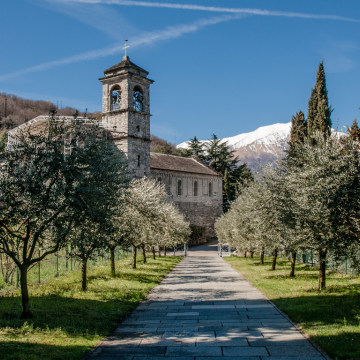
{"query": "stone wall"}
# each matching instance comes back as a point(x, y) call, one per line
point(201, 210)
point(127, 83)
point(130, 129)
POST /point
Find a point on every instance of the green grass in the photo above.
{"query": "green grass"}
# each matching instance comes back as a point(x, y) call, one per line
point(330, 317)
point(54, 265)
point(68, 322)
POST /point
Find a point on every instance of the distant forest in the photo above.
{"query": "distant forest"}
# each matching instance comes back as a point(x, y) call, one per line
point(15, 111)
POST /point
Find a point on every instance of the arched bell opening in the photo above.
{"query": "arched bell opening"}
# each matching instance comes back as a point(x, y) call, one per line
point(115, 98)
point(138, 98)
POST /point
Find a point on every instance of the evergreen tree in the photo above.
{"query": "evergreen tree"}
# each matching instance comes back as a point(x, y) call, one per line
point(196, 148)
point(319, 110)
point(354, 131)
point(298, 129)
point(221, 159)
point(217, 154)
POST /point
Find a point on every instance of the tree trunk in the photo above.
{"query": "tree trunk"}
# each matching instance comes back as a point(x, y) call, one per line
point(322, 268)
point(252, 254)
point(112, 261)
point(262, 257)
point(293, 260)
point(26, 314)
point(303, 258)
point(164, 250)
point(83, 274)
point(144, 253)
point(153, 251)
point(273, 265)
point(134, 257)
point(159, 250)
point(244, 254)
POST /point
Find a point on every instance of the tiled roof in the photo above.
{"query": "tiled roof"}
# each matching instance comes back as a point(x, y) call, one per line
point(177, 163)
point(124, 64)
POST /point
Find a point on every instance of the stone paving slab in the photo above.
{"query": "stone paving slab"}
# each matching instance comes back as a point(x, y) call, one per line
point(205, 310)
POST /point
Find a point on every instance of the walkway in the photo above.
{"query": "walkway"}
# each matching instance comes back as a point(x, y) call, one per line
point(205, 310)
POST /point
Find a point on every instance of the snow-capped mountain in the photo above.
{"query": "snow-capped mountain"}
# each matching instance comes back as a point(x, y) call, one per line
point(265, 144)
point(260, 147)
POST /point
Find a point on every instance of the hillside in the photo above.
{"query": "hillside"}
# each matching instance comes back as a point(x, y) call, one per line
point(15, 110)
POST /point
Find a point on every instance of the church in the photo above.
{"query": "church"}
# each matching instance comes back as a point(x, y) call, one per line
point(191, 184)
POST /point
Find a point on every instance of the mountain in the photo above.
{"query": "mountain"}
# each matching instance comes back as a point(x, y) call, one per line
point(260, 147)
point(257, 148)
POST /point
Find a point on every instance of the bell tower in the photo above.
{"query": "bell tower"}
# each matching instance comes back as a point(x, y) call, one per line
point(126, 110)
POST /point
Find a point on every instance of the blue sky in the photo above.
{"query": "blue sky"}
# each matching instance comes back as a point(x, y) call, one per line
point(223, 67)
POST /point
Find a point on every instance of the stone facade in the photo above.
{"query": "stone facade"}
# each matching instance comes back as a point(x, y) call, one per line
point(200, 208)
point(130, 128)
point(199, 195)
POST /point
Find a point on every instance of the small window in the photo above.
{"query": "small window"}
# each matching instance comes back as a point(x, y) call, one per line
point(115, 98)
point(138, 128)
point(179, 187)
point(138, 99)
point(195, 188)
point(159, 180)
point(138, 160)
point(210, 189)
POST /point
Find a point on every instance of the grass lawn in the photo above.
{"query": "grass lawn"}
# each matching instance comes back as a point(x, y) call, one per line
point(67, 322)
point(330, 317)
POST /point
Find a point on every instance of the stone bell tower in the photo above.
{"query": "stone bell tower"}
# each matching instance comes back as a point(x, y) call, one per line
point(126, 109)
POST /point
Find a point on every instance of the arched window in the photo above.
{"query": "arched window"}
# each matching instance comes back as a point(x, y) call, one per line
point(138, 128)
point(115, 100)
point(210, 189)
point(138, 160)
point(179, 187)
point(195, 188)
point(138, 99)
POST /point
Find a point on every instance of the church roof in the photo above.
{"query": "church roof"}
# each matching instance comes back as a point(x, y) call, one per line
point(125, 64)
point(177, 163)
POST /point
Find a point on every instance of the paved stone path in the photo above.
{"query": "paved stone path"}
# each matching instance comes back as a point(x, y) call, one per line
point(205, 310)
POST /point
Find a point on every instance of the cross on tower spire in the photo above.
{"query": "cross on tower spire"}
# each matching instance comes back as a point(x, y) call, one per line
point(126, 47)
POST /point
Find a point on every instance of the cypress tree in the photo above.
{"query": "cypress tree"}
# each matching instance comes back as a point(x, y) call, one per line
point(298, 129)
point(354, 131)
point(319, 110)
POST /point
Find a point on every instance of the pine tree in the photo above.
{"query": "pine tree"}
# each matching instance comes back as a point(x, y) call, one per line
point(196, 147)
point(221, 159)
point(319, 110)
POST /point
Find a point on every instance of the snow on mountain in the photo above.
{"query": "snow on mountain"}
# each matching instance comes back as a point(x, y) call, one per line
point(260, 147)
point(265, 144)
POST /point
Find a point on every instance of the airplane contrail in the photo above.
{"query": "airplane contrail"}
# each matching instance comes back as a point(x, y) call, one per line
point(212, 8)
point(146, 38)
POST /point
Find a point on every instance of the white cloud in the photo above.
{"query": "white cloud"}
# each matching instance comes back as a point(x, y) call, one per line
point(212, 8)
point(147, 38)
